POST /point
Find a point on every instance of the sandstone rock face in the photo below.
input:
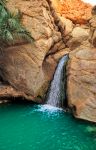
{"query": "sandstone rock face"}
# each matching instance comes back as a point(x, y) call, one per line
point(81, 71)
point(79, 32)
point(68, 25)
point(82, 83)
point(75, 10)
point(23, 65)
point(77, 37)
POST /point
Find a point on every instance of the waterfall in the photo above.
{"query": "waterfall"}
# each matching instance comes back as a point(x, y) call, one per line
point(57, 95)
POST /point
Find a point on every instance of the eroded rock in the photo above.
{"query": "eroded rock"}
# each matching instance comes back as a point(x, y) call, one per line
point(77, 37)
point(68, 25)
point(22, 65)
point(75, 10)
point(80, 32)
point(82, 83)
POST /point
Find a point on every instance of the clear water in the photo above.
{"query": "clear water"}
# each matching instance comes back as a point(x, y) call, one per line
point(32, 127)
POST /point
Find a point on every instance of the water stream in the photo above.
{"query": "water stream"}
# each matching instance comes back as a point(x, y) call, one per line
point(57, 91)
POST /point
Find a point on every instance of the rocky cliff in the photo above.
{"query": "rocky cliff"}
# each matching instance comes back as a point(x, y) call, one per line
point(81, 71)
point(28, 68)
point(23, 65)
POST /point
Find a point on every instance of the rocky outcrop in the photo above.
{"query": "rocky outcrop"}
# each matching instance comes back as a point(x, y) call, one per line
point(82, 83)
point(81, 72)
point(23, 65)
point(77, 37)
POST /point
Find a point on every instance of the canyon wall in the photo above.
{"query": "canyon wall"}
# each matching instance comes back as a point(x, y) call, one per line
point(80, 37)
point(81, 73)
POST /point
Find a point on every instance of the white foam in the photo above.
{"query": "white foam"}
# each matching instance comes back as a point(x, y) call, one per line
point(48, 108)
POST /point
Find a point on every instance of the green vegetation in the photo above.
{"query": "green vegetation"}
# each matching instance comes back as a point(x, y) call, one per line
point(11, 27)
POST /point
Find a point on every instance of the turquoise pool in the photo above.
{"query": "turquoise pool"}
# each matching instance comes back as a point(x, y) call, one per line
point(37, 127)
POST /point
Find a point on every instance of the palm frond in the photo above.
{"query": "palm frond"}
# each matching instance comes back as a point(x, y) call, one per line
point(3, 2)
point(11, 26)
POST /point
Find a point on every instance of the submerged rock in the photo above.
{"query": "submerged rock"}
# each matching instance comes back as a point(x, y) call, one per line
point(91, 129)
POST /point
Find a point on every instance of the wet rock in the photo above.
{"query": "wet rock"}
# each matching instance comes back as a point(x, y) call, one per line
point(63, 52)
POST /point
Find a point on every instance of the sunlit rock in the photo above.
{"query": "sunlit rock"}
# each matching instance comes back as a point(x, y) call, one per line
point(75, 10)
point(81, 84)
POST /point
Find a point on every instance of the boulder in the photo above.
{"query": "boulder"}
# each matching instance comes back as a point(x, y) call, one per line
point(78, 35)
point(68, 25)
point(81, 83)
point(80, 32)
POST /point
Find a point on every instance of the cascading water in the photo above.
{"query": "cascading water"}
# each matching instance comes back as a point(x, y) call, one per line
point(57, 95)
